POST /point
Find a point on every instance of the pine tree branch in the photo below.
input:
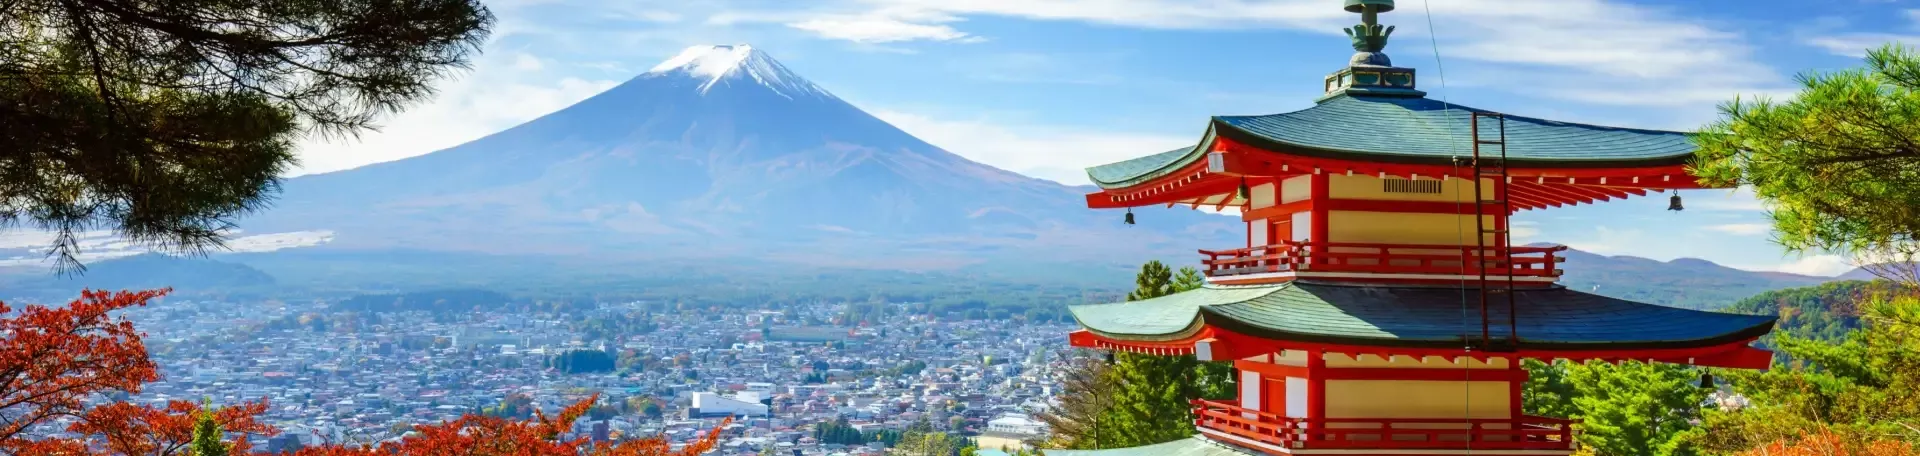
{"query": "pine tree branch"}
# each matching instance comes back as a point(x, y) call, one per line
point(231, 40)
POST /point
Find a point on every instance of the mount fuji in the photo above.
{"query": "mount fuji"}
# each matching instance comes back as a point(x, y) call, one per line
point(723, 152)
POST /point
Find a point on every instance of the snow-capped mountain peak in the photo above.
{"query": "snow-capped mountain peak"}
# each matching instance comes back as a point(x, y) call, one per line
point(713, 64)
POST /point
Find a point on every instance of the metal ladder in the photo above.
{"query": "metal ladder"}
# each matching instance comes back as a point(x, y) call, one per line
point(1492, 165)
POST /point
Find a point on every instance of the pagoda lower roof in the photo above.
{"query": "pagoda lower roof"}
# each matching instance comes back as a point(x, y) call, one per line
point(1192, 446)
point(1553, 318)
point(1413, 130)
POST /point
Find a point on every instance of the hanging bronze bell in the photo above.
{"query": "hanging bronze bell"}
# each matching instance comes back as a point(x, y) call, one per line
point(1129, 216)
point(1109, 357)
point(1673, 204)
point(1706, 380)
point(1245, 194)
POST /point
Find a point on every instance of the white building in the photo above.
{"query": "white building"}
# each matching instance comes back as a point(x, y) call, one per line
point(708, 405)
point(1016, 424)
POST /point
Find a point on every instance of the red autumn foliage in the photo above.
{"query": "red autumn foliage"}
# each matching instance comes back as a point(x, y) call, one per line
point(51, 359)
point(1826, 443)
point(479, 435)
point(128, 429)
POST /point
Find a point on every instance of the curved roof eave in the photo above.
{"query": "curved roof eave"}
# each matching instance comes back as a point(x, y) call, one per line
point(1127, 173)
point(1380, 316)
point(1380, 128)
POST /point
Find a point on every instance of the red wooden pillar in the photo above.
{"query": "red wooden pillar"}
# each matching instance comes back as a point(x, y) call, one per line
point(1518, 382)
point(1318, 188)
point(1316, 393)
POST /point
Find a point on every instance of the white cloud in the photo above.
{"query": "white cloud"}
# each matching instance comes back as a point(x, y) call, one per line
point(278, 241)
point(1739, 199)
point(1053, 153)
point(100, 245)
point(1523, 231)
point(1594, 51)
point(1856, 44)
point(1817, 265)
point(885, 26)
point(1610, 241)
point(1742, 229)
point(504, 90)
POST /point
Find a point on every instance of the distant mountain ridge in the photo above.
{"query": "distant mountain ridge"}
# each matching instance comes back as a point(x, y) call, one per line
point(143, 272)
point(1688, 283)
point(1863, 273)
point(721, 151)
point(1685, 282)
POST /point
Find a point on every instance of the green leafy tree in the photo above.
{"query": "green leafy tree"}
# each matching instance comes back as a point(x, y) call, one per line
point(603, 412)
point(1835, 165)
point(652, 409)
point(920, 426)
point(1837, 162)
point(1547, 391)
point(1151, 404)
point(916, 443)
point(838, 431)
point(1635, 408)
point(1153, 281)
point(1632, 408)
point(1863, 389)
point(1188, 279)
point(165, 120)
point(887, 437)
point(1216, 377)
point(1152, 394)
point(206, 436)
point(580, 361)
point(1629, 409)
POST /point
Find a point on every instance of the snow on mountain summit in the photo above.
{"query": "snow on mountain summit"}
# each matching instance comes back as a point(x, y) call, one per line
point(714, 64)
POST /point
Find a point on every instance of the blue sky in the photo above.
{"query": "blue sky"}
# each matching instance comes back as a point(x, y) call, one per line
point(1045, 87)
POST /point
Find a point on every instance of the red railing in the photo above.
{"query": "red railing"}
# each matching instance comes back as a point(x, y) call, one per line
point(1524, 433)
point(1383, 259)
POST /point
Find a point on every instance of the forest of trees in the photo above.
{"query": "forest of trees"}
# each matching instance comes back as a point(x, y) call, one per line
point(582, 361)
point(1826, 312)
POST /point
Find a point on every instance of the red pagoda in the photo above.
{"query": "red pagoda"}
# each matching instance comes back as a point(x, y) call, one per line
point(1378, 306)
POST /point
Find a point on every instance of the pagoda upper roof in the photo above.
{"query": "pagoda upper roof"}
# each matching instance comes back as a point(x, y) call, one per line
point(1415, 130)
point(1553, 318)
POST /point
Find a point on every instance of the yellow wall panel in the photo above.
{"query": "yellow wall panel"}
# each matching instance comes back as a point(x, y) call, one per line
point(1416, 399)
point(1295, 188)
point(1263, 195)
point(1403, 228)
point(1372, 188)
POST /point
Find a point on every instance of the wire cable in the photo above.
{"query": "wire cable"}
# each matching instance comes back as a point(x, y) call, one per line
point(1453, 142)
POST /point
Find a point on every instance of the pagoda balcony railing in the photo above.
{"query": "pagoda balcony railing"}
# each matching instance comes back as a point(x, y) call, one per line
point(1523, 433)
point(1296, 256)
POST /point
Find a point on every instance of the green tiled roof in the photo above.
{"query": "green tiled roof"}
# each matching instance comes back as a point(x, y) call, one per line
point(1144, 168)
point(1195, 446)
point(1414, 130)
point(1165, 317)
point(1549, 318)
